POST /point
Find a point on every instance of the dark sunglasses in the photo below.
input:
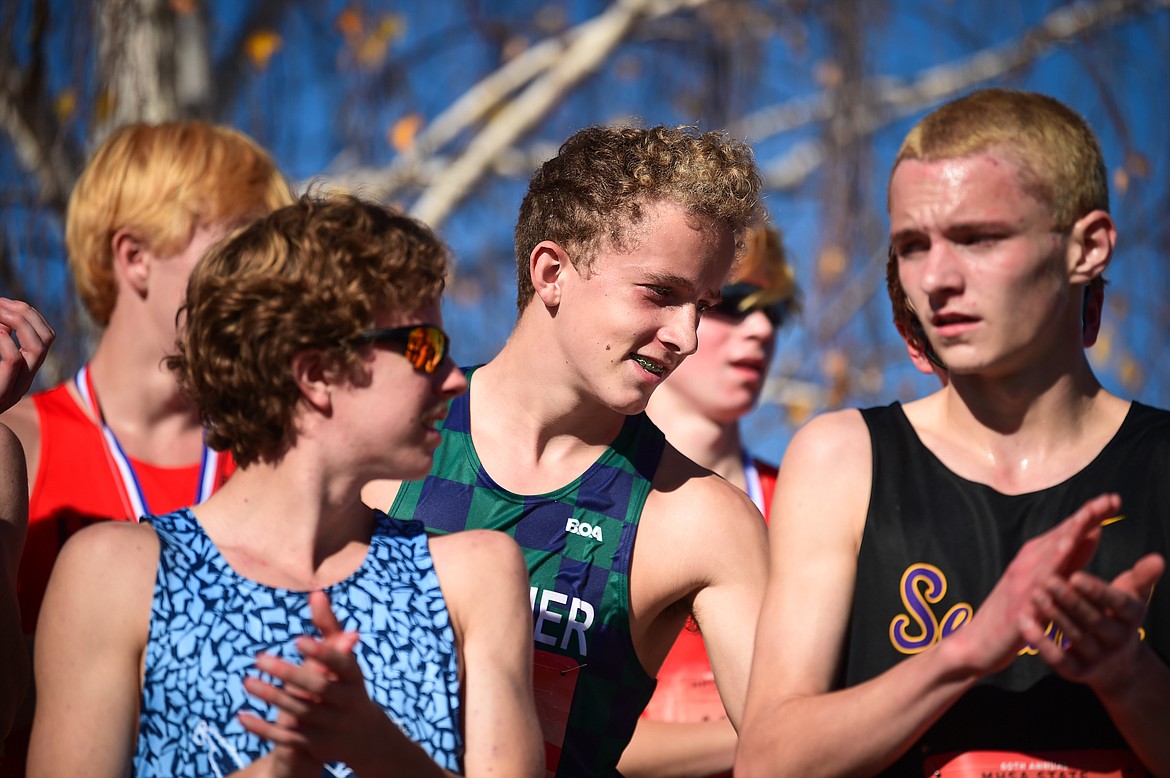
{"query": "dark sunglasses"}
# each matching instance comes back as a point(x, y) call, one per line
point(426, 344)
point(739, 300)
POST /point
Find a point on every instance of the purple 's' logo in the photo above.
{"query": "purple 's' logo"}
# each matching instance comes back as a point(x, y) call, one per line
point(924, 585)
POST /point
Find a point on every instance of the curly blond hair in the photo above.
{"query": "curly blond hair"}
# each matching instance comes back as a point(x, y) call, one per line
point(309, 276)
point(596, 189)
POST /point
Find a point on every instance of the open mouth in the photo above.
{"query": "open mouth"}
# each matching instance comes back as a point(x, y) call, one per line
point(942, 320)
point(436, 420)
point(758, 365)
point(650, 367)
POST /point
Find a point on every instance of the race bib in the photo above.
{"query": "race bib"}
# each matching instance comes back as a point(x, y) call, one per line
point(554, 679)
point(1048, 764)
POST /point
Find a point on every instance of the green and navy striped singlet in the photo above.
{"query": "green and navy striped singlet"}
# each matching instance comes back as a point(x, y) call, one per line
point(578, 542)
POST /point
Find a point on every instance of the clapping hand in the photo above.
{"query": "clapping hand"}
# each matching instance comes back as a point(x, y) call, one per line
point(18, 365)
point(323, 704)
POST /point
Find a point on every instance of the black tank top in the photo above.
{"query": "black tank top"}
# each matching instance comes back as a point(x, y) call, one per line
point(935, 544)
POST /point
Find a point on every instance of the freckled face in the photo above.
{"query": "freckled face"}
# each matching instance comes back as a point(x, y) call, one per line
point(979, 260)
point(632, 319)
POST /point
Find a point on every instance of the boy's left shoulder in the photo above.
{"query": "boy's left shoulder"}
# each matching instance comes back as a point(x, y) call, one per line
point(696, 501)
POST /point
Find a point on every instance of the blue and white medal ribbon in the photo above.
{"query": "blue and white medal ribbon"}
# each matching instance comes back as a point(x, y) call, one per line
point(755, 489)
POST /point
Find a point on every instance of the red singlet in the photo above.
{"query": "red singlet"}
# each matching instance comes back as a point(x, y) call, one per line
point(76, 486)
point(686, 689)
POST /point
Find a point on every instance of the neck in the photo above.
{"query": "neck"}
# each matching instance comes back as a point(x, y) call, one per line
point(1039, 402)
point(1019, 436)
point(715, 445)
point(294, 523)
point(542, 397)
point(141, 402)
point(534, 426)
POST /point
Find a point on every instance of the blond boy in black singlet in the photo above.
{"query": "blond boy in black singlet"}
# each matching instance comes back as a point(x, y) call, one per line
point(928, 609)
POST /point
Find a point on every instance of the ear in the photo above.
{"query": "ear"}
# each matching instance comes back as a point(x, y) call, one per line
point(918, 348)
point(919, 359)
point(131, 260)
point(546, 266)
point(314, 380)
point(1090, 246)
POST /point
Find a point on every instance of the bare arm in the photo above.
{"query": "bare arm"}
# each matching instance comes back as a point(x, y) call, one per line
point(485, 582)
point(701, 547)
point(728, 607)
point(700, 544)
point(90, 638)
point(794, 719)
point(734, 563)
point(661, 749)
point(14, 660)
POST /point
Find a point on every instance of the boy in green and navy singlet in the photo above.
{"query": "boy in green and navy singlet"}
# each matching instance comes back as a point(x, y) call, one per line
point(623, 239)
point(578, 542)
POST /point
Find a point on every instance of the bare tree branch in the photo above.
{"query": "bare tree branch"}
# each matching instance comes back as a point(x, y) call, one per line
point(551, 69)
point(137, 61)
point(886, 100)
point(894, 99)
point(27, 118)
point(49, 162)
point(544, 73)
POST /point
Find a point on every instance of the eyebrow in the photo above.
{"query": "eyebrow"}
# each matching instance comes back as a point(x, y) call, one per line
point(993, 225)
point(670, 279)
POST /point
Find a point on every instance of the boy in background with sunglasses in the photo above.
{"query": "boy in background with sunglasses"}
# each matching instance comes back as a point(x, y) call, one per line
point(698, 409)
point(282, 611)
point(623, 240)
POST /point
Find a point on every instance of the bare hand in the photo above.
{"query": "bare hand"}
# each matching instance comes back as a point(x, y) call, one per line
point(325, 711)
point(19, 365)
point(1099, 622)
point(1002, 625)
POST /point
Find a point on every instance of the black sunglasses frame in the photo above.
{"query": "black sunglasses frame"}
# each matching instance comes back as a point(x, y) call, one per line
point(734, 295)
point(420, 341)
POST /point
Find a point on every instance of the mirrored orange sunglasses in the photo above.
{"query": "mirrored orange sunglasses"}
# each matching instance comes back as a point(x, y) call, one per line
point(426, 345)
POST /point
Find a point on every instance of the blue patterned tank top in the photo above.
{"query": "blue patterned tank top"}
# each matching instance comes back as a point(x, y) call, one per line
point(208, 623)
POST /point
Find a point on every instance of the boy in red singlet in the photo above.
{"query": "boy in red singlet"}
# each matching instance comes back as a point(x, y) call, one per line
point(119, 439)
